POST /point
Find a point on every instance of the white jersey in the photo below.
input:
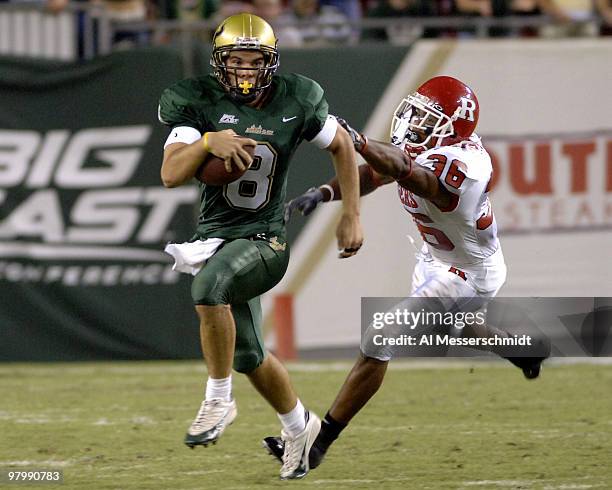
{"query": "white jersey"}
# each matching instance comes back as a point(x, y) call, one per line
point(461, 264)
point(465, 233)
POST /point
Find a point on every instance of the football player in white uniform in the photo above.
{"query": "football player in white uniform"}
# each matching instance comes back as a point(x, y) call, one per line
point(443, 174)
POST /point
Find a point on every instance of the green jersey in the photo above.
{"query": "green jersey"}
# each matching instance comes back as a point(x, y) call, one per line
point(296, 110)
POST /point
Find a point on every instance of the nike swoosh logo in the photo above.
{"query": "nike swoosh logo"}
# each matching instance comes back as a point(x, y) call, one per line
point(287, 119)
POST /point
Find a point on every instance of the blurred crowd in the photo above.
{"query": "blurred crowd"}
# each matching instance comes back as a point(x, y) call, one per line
point(316, 22)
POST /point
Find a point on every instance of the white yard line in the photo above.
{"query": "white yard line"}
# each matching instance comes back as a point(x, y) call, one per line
point(498, 483)
point(53, 463)
point(335, 482)
point(529, 483)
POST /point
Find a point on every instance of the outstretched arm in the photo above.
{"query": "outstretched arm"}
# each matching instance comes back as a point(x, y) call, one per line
point(369, 180)
point(385, 164)
point(390, 161)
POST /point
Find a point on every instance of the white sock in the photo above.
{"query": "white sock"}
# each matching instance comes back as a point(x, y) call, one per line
point(294, 422)
point(219, 388)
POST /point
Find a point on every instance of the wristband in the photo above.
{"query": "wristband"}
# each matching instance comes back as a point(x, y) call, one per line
point(205, 143)
point(330, 189)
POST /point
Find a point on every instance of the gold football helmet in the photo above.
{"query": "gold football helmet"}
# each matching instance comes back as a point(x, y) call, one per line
point(244, 32)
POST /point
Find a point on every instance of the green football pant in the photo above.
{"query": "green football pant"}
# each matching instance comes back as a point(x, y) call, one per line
point(237, 275)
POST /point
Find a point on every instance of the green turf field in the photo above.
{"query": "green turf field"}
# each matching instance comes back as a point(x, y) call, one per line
point(469, 426)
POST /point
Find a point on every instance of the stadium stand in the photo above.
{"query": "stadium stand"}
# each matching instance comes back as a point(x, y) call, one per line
point(81, 30)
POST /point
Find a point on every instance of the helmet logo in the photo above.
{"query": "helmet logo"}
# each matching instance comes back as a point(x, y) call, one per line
point(245, 86)
point(248, 42)
point(467, 109)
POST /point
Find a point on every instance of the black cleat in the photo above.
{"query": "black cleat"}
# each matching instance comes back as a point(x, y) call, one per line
point(531, 366)
point(316, 455)
point(276, 447)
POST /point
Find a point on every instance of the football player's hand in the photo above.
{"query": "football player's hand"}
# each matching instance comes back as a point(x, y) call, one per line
point(358, 139)
point(227, 145)
point(349, 235)
point(305, 203)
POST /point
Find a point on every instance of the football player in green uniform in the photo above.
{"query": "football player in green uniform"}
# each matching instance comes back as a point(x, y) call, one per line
point(239, 251)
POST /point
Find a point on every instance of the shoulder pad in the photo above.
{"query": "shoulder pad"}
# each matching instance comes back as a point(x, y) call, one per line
point(303, 88)
point(178, 103)
point(476, 161)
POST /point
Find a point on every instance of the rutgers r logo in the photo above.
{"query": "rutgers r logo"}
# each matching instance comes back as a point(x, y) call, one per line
point(466, 111)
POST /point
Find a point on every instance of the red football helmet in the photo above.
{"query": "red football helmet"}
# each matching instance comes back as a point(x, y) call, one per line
point(443, 111)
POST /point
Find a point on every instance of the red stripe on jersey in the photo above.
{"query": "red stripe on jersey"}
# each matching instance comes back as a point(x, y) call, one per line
point(460, 273)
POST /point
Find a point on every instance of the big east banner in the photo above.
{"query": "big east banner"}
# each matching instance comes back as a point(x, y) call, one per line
point(71, 198)
point(84, 217)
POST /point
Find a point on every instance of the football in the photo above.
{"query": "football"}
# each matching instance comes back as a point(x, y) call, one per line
point(212, 171)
